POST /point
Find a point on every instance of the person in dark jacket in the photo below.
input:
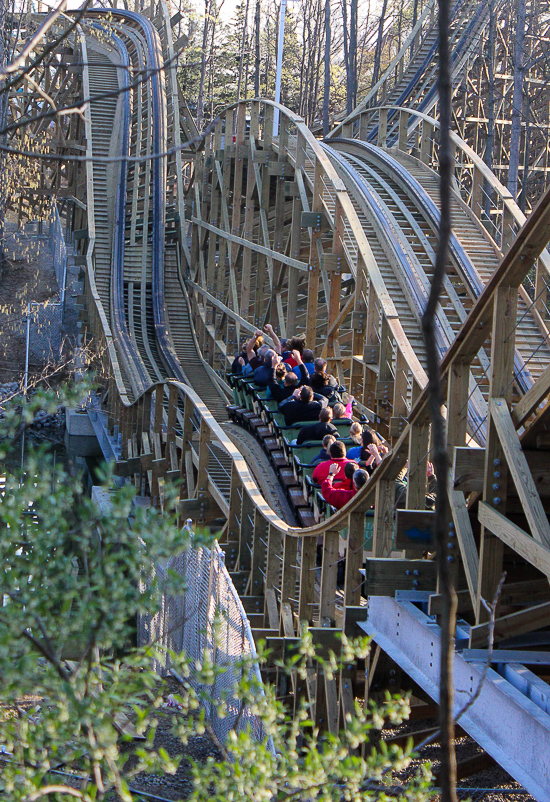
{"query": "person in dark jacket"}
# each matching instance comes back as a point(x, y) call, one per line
point(318, 430)
point(263, 374)
point(280, 392)
point(240, 361)
point(347, 481)
point(301, 406)
point(324, 453)
point(320, 368)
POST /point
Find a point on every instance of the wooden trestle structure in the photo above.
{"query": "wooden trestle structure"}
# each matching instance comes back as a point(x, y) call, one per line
point(335, 241)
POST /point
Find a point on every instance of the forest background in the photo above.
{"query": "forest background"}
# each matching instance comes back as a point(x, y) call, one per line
point(229, 52)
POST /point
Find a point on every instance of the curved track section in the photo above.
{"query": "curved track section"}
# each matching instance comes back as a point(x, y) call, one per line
point(406, 221)
point(132, 252)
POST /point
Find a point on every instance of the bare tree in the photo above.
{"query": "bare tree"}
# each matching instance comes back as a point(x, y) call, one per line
point(435, 402)
point(200, 97)
point(379, 43)
point(517, 99)
point(349, 24)
point(257, 61)
point(326, 94)
point(242, 52)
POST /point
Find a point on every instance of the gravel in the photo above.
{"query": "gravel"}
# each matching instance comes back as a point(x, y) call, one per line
point(199, 748)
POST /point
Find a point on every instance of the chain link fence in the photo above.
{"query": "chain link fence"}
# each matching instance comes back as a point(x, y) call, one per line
point(207, 622)
point(58, 250)
point(44, 326)
point(45, 332)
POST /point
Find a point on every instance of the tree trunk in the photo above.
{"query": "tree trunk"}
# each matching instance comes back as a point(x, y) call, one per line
point(241, 55)
point(346, 51)
point(517, 101)
point(435, 403)
point(257, 48)
point(352, 80)
point(489, 145)
point(4, 44)
point(527, 114)
point(378, 50)
point(326, 93)
point(200, 97)
point(414, 21)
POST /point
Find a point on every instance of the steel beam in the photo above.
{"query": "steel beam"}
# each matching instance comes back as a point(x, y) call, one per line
point(509, 726)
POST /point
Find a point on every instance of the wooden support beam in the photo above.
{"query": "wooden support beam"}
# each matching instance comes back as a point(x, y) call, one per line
point(519, 470)
point(383, 517)
point(532, 398)
point(462, 529)
point(273, 569)
point(329, 571)
point(523, 544)
point(354, 558)
point(307, 580)
point(468, 466)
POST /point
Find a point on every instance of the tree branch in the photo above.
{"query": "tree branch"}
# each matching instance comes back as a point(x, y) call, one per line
point(19, 61)
point(48, 49)
point(55, 789)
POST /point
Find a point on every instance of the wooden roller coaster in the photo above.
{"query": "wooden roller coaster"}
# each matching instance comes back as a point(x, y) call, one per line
point(187, 248)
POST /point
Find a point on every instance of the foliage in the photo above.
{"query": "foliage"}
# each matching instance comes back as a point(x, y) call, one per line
point(72, 586)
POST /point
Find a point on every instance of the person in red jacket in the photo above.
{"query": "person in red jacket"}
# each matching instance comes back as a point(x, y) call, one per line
point(349, 470)
point(337, 453)
point(339, 498)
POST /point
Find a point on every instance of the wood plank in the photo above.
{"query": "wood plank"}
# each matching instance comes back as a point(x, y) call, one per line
point(383, 576)
point(272, 609)
point(204, 509)
point(254, 246)
point(468, 469)
point(464, 603)
point(354, 559)
point(287, 621)
point(466, 542)
point(329, 571)
point(307, 579)
point(383, 517)
point(530, 590)
point(331, 701)
point(532, 398)
point(512, 625)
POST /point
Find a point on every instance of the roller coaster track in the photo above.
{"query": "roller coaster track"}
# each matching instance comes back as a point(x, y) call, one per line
point(336, 240)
